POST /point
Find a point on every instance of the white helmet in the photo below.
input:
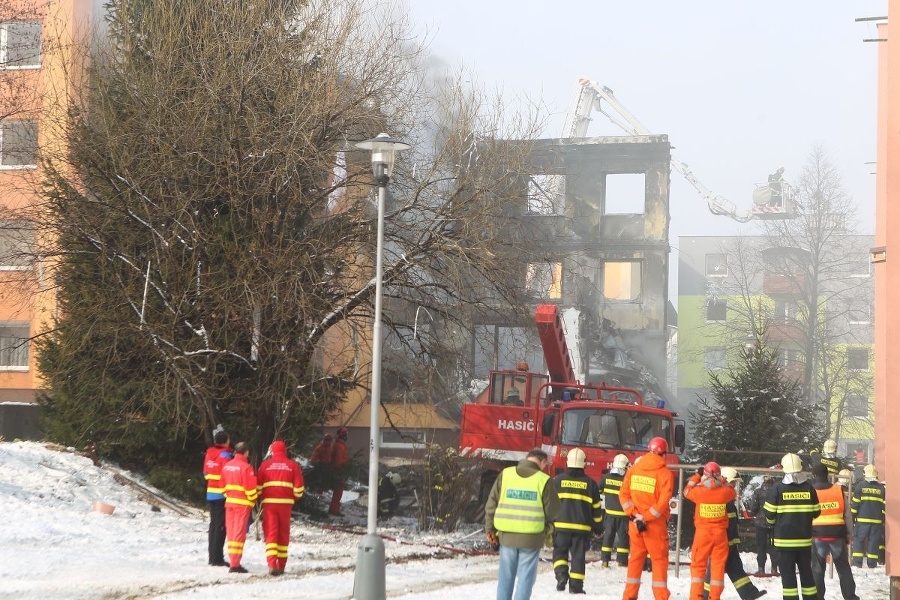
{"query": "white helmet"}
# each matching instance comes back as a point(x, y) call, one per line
point(620, 462)
point(790, 463)
point(730, 474)
point(575, 458)
point(393, 477)
point(829, 447)
point(844, 476)
point(870, 472)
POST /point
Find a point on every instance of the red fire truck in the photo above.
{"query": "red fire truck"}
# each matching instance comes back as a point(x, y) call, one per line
point(521, 410)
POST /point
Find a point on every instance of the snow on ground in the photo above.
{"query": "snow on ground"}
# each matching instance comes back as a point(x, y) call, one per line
point(53, 546)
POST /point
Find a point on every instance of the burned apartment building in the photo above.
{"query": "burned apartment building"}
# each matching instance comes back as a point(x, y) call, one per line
point(601, 251)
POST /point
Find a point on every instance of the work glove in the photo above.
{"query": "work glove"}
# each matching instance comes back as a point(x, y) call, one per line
point(700, 471)
point(641, 526)
point(492, 540)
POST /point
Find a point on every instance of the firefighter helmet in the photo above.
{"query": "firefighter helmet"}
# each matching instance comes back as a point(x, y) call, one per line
point(620, 462)
point(342, 433)
point(790, 463)
point(730, 474)
point(829, 447)
point(844, 476)
point(575, 458)
point(328, 437)
point(712, 469)
point(658, 445)
point(393, 477)
point(870, 472)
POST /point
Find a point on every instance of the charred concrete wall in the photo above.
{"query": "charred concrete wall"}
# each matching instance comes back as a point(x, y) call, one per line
point(614, 264)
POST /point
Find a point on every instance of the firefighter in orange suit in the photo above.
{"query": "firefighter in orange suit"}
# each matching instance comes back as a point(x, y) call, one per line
point(646, 491)
point(338, 463)
point(710, 494)
point(280, 484)
point(240, 495)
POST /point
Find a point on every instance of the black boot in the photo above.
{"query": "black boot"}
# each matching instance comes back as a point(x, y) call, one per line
point(561, 581)
point(576, 587)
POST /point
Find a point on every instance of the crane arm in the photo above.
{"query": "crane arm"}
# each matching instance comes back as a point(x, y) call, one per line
point(592, 95)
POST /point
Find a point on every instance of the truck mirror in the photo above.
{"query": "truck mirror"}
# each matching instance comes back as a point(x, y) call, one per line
point(547, 425)
point(679, 436)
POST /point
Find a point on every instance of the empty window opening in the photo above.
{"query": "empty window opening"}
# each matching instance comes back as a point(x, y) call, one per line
point(544, 280)
point(546, 194)
point(622, 280)
point(626, 193)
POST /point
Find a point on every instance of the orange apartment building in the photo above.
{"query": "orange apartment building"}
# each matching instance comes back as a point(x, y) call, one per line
point(887, 281)
point(34, 38)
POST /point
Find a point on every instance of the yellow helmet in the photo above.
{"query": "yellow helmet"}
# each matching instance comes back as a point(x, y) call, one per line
point(829, 447)
point(790, 463)
point(730, 474)
point(575, 458)
point(620, 461)
point(870, 472)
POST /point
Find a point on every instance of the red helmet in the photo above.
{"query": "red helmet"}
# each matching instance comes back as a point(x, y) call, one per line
point(342, 433)
point(328, 437)
point(712, 469)
point(658, 445)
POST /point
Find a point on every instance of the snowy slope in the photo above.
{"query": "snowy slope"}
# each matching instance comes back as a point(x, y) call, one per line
point(53, 546)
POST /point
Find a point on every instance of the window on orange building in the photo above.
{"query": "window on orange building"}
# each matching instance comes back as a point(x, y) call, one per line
point(14, 341)
point(20, 44)
point(18, 144)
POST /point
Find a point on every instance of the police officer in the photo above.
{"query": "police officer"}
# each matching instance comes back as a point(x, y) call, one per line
point(580, 513)
point(790, 509)
point(615, 522)
point(867, 508)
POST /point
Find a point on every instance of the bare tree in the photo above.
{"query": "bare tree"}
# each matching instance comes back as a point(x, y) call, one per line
point(211, 226)
point(801, 288)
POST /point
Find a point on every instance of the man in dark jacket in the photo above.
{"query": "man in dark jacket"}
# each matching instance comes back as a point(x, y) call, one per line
point(388, 497)
point(580, 513)
point(520, 509)
point(830, 535)
point(615, 522)
point(790, 509)
point(763, 530)
point(216, 456)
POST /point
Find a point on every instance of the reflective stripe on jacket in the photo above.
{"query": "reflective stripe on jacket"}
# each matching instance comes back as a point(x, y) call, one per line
point(216, 457)
point(867, 504)
point(580, 502)
point(280, 480)
point(520, 507)
point(240, 482)
point(790, 509)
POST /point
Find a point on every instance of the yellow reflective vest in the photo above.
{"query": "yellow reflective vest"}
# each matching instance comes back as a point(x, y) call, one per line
point(520, 507)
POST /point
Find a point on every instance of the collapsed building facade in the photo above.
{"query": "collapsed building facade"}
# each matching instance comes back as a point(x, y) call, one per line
point(601, 251)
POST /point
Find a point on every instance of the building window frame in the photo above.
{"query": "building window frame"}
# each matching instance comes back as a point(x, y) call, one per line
point(26, 158)
point(715, 358)
point(716, 264)
point(716, 310)
point(15, 343)
point(6, 33)
point(626, 277)
point(391, 438)
point(855, 356)
point(857, 406)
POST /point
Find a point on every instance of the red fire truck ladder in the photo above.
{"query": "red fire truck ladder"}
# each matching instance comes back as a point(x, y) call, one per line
point(553, 341)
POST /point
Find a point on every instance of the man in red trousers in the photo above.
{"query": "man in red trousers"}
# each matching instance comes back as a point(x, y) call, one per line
point(645, 494)
point(239, 482)
point(280, 485)
point(709, 491)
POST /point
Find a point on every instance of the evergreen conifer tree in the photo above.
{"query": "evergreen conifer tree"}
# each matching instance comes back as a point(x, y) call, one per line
point(753, 408)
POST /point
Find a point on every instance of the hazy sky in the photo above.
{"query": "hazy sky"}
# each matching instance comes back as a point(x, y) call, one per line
point(740, 88)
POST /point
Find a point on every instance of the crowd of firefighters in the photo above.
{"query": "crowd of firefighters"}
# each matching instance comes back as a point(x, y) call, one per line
point(802, 522)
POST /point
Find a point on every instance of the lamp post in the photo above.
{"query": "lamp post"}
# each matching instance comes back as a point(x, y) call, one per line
point(368, 583)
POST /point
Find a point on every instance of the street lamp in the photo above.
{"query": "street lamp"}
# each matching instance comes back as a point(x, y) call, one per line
point(368, 583)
